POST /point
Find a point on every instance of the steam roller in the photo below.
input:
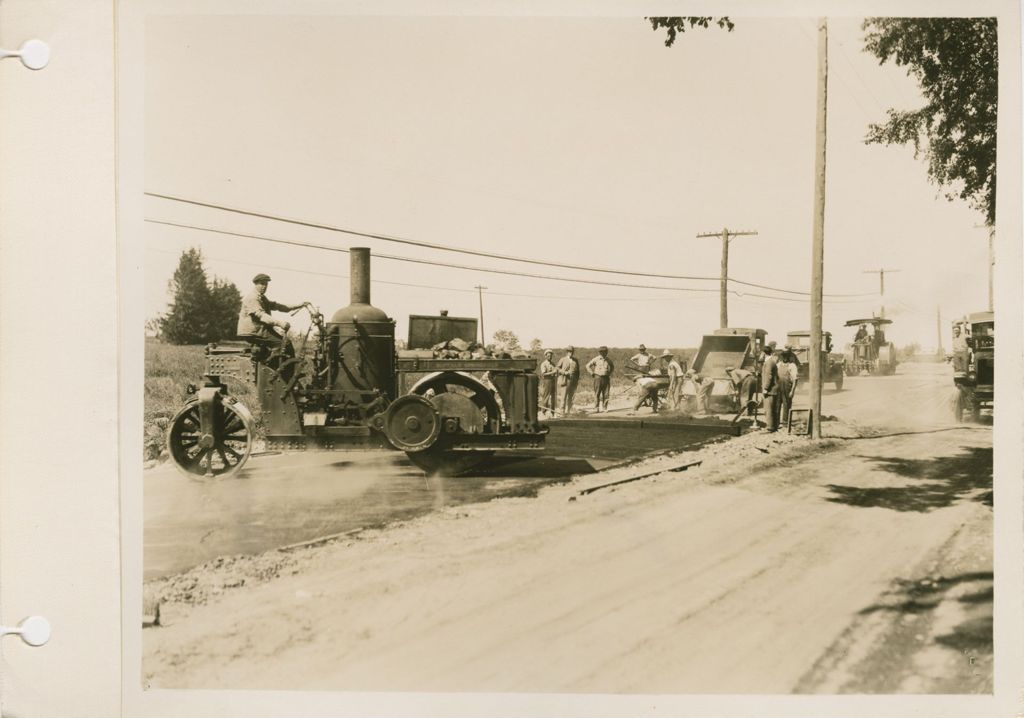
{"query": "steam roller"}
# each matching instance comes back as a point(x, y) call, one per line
point(344, 387)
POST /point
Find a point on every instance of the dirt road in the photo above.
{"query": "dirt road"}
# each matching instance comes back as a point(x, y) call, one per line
point(855, 565)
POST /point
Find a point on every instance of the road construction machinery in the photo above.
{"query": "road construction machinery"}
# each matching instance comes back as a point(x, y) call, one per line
point(871, 353)
point(347, 387)
point(974, 366)
point(833, 365)
point(738, 348)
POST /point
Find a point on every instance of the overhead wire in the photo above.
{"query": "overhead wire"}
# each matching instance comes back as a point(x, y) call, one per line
point(472, 252)
point(314, 245)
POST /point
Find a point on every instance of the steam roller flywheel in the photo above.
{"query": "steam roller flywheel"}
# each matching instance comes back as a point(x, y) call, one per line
point(412, 424)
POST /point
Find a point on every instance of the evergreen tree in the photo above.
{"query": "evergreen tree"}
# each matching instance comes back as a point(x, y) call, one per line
point(200, 312)
point(225, 303)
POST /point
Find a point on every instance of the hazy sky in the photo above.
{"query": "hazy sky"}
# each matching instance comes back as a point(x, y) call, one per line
point(565, 139)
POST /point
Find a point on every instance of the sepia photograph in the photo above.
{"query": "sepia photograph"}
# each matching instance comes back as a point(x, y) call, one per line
point(565, 354)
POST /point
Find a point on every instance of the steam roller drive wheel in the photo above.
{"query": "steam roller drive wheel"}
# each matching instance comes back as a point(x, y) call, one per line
point(466, 398)
point(217, 454)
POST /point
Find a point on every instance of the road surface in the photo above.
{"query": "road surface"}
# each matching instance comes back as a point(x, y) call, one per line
point(859, 565)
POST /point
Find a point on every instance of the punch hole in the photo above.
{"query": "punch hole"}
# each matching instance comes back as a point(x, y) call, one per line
point(34, 630)
point(34, 54)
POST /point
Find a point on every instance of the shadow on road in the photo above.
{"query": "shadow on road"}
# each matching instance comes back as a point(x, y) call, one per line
point(918, 596)
point(946, 480)
point(973, 635)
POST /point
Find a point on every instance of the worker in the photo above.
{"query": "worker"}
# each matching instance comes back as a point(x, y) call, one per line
point(704, 386)
point(745, 384)
point(647, 389)
point(257, 326)
point(862, 333)
point(879, 337)
point(766, 352)
point(770, 387)
point(568, 378)
point(548, 383)
point(674, 370)
point(600, 369)
point(961, 349)
point(642, 360)
point(787, 368)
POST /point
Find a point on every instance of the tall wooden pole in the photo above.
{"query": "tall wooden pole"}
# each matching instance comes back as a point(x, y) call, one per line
point(483, 336)
point(723, 298)
point(818, 248)
point(723, 304)
point(938, 325)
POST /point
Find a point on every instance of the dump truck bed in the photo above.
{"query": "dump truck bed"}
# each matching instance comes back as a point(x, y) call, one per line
point(720, 351)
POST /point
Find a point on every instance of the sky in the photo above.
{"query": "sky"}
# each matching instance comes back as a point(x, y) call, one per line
point(571, 140)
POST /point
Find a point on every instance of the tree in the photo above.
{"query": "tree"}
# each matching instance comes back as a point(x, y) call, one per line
point(506, 340)
point(675, 26)
point(955, 62)
point(225, 303)
point(200, 311)
point(535, 345)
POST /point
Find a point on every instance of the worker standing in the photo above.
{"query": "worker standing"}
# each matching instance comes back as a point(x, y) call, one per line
point(568, 378)
point(642, 360)
point(770, 387)
point(787, 368)
point(600, 369)
point(675, 375)
point(548, 383)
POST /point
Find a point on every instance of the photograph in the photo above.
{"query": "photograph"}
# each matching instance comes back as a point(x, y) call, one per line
point(568, 354)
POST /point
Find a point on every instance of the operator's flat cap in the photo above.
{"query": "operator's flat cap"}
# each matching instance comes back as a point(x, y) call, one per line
point(261, 278)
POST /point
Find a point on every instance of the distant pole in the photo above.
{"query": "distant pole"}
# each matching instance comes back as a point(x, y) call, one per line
point(881, 283)
point(723, 304)
point(818, 246)
point(483, 336)
point(938, 326)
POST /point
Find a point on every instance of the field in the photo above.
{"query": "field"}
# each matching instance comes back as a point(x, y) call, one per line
point(170, 369)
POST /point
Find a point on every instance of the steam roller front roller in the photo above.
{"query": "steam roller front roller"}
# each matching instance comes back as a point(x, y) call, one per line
point(211, 437)
point(439, 407)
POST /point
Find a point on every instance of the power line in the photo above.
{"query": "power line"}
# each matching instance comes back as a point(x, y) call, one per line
point(431, 262)
point(462, 250)
point(313, 245)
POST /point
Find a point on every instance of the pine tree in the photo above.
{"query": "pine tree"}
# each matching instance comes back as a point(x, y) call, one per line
point(201, 311)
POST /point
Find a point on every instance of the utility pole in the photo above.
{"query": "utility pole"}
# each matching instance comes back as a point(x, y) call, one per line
point(818, 243)
point(938, 325)
point(881, 283)
point(991, 263)
point(483, 337)
point(723, 306)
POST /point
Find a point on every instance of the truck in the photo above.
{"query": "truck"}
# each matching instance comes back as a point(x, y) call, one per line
point(833, 365)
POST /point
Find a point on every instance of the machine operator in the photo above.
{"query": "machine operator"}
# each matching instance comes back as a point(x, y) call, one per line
point(255, 323)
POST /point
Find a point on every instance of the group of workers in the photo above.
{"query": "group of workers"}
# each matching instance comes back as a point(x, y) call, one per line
point(774, 375)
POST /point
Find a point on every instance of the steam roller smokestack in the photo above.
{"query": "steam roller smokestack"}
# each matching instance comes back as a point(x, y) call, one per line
point(359, 274)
